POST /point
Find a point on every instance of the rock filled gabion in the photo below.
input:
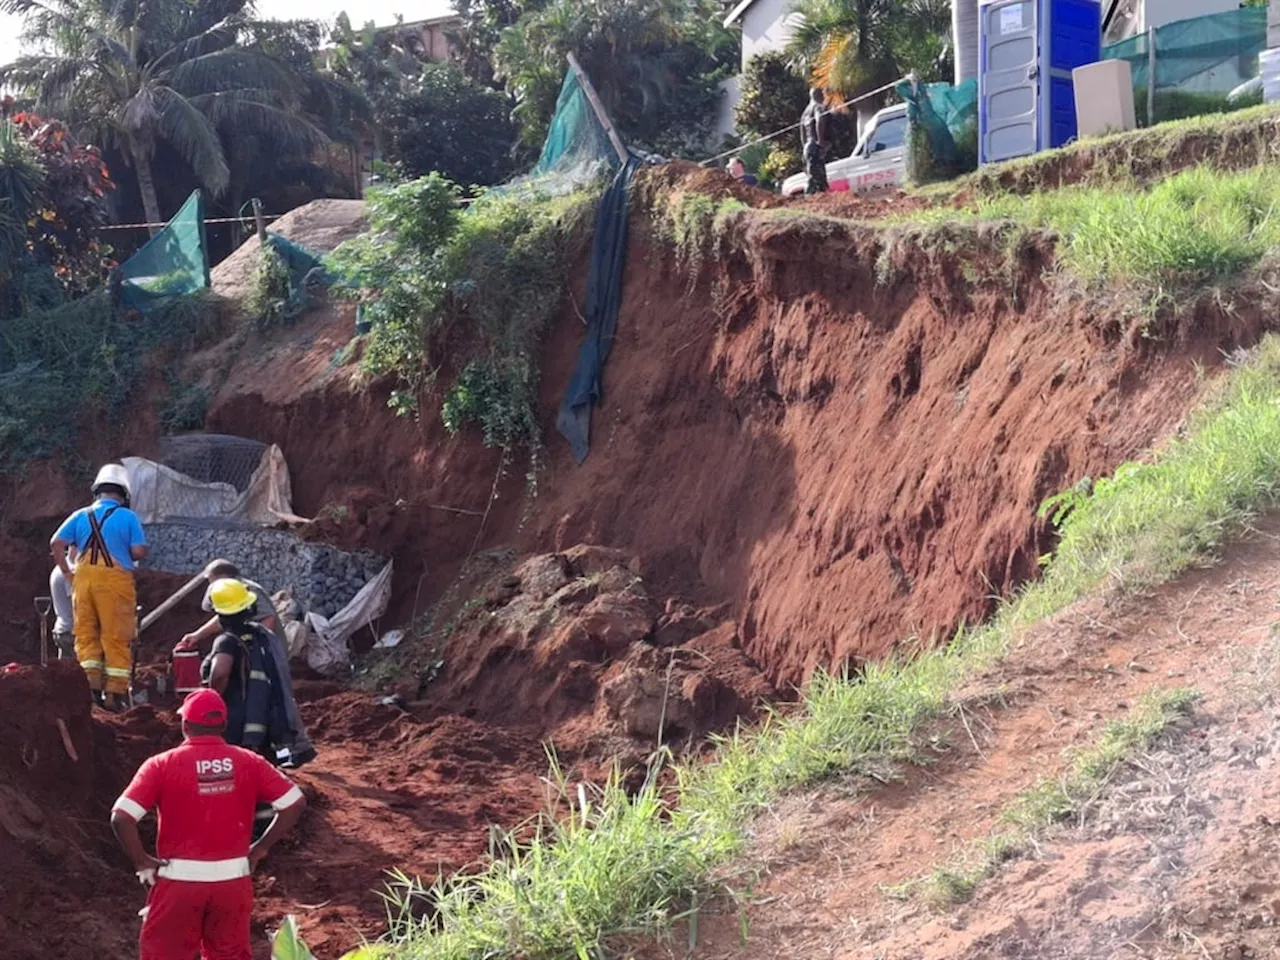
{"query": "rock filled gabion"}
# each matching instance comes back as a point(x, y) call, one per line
point(323, 578)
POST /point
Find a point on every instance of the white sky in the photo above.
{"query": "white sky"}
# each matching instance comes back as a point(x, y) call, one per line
point(381, 12)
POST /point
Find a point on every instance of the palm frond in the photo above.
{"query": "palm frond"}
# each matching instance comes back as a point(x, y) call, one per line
point(231, 69)
point(340, 98)
point(23, 8)
point(194, 136)
point(221, 35)
point(253, 112)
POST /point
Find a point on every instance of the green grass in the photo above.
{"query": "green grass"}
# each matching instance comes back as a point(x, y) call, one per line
point(632, 863)
point(1054, 799)
point(1112, 158)
point(693, 223)
point(1196, 228)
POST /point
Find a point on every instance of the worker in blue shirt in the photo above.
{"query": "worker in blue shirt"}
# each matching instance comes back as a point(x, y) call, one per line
point(108, 542)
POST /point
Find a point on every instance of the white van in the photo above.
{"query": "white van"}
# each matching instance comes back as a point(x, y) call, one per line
point(878, 162)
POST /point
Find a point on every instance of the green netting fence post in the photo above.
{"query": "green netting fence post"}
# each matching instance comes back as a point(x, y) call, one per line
point(1151, 76)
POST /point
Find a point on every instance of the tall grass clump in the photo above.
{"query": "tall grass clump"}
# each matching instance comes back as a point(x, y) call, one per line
point(1150, 521)
point(1195, 228)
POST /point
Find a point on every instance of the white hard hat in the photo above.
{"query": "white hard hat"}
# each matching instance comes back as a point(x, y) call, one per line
point(115, 474)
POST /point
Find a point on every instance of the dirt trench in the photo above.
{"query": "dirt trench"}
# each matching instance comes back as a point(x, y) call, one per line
point(810, 448)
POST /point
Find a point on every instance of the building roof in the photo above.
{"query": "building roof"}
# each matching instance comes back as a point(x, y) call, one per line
point(429, 22)
point(736, 13)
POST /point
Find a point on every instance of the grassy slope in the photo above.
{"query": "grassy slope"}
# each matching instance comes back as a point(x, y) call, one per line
point(618, 863)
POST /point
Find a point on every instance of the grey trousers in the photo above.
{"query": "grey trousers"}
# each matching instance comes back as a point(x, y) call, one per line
point(280, 653)
point(60, 590)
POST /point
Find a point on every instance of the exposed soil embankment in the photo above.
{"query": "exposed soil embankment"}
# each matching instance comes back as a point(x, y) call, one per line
point(815, 441)
point(847, 444)
point(66, 889)
point(850, 445)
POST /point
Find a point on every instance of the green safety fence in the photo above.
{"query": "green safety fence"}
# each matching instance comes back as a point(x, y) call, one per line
point(1197, 63)
point(576, 152)
point(942, 124)
point(173, 263)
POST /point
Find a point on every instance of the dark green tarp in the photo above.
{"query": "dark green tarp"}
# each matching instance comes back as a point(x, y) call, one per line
point(604, 297)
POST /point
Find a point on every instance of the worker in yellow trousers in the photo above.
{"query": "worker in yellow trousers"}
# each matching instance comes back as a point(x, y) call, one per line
point(109, 541)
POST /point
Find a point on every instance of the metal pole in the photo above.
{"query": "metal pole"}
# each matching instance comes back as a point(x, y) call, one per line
point(594, 99)
point(259, 221)
point(1151, 76)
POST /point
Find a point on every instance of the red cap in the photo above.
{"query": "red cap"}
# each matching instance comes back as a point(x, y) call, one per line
point(205, 707)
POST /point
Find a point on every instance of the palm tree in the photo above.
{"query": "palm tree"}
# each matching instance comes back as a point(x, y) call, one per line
point(851, 47)
point(134, 74)
point(629, 48)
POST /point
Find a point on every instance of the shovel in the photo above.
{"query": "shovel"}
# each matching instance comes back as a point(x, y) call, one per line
point(43, 606)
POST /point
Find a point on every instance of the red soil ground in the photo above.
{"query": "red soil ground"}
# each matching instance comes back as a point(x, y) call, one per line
point(817, 448)
point(1178, 859)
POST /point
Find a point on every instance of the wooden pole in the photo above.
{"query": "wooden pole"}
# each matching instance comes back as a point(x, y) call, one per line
point(172, 602)
point(259, 221)
point(594, 99)
point(1151, 76)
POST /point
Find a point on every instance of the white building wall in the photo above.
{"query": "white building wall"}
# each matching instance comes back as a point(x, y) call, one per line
point(766, 26)
point(1156, 13)
point(731, 90)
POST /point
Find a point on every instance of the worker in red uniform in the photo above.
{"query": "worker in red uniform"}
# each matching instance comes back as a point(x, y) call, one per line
point(204, 793)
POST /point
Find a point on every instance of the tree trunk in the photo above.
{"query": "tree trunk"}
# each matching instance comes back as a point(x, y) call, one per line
point(147, 187)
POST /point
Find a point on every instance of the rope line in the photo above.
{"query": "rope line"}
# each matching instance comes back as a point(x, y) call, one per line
point(148, 226)
point(778, 133)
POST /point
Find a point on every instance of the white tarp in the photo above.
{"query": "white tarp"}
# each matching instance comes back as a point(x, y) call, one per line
point(327, 650)
point(162, 493)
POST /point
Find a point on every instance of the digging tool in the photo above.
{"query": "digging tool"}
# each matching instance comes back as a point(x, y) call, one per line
point(43, 606)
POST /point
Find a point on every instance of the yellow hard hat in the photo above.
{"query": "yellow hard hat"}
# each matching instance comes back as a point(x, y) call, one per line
point(229, 597)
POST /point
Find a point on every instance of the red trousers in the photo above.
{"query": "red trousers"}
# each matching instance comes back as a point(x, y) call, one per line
point(212, 918)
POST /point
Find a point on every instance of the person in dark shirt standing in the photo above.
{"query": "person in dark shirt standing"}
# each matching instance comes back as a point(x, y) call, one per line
point(813, 137)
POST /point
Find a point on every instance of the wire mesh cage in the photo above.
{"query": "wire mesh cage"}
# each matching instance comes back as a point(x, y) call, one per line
point(213, 457)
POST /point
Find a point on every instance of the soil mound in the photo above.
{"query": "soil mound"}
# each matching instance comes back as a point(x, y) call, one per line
point(572, 645)
point(65, 889)
point(320, 225)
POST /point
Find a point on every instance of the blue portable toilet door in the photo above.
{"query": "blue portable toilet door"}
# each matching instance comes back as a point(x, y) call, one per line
point(1010, 80)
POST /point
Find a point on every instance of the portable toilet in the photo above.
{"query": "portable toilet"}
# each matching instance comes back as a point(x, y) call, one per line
point(1026, 52)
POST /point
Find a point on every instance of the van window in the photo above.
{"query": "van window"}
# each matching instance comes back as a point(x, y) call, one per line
point(887, 135)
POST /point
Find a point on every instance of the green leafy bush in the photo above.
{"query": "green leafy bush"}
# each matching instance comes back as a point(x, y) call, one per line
point(781, 163)
point(467, 293)
point(268, 301)
point(443, 121)
point(773, 95)
point(185, 407)
point(84, 358)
